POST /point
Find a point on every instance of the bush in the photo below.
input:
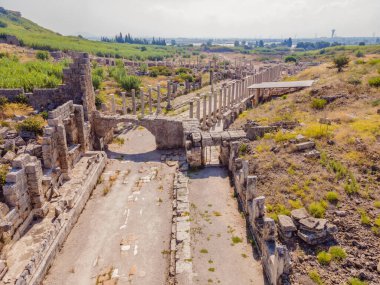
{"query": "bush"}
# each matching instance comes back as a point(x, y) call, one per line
point(332, 197)
point(354, 81)
point(324, 258)
point(315, 277)
point(42, 55)
point(351, 186)
point(359, 53)
point(341, 62)
point(356, 281)
point(3, 25)
point(96, 81)
point(374, 82)
point(337, 253)
point(290, 58)
point(33, 124)
point(3, 101)
point(21, 98)
point(364, 218)
point(130, 82)
point(318, 103)
point(3, 173)
point(317, 209)
point(98, 101)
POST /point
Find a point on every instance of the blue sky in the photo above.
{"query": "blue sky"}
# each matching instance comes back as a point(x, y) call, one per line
point(204, 18)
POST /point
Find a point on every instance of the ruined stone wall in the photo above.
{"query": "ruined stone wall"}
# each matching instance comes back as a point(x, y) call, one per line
point(77, 87)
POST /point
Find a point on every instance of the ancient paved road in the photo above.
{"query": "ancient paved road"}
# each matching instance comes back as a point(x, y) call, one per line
point(129, 227)
point(220, 250)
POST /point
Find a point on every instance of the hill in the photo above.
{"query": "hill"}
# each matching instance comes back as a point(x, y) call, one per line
point(32, 35)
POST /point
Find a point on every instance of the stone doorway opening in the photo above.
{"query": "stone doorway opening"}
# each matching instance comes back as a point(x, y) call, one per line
point(211, 155)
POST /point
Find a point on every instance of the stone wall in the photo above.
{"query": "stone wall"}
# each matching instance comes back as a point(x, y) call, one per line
point(77, 87)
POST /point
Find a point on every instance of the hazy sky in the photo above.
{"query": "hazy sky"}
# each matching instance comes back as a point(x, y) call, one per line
point(204, 18)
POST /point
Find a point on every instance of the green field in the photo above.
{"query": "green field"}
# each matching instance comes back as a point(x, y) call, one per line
point(30, 75)
point(34, 36)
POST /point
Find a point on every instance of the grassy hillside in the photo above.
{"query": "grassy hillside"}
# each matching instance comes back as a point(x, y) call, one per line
point(342, 185)
point(32, 35)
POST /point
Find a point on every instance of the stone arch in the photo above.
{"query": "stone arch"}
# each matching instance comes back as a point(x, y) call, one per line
point(168, 132)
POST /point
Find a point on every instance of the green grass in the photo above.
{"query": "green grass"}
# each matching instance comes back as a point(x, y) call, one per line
point(337, 253)
point(30, 75)
point(332, 197)
point(236, 240)
point(314, 275)
point(364, 218)
point(324, 258)
point(318, 104)
point(317, 209)
point(356, 281)
point(32, 35)
point(203, 250)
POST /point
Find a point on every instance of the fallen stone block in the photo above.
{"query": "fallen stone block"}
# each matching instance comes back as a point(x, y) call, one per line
point(304, 146)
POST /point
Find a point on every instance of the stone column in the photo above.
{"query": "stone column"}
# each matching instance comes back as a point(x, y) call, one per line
point(169, 106)
point(204, 112)
point(142, 104)
point(198, 100)
point(150, 101)
point(220, 102)
point(209, 95)
point(191, 109)
point(212, 81)
point(124, 103)
point(113, 108)
point(225, 90)
point(215, 95)
point(158, 110)
point(134, 101)
point(229, 89)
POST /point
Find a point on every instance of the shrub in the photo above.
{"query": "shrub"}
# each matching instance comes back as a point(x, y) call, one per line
point(290, 58)
point(3, 101)
point(317, 209)
point(33, 124)
point(3, 173)
point(377, 204)
point(98, 101)
point(42, 55)
point(130, 82)
point(351, 186)
point(332, 197)
point(96, 81)
point(337, 253)
point(364, 218)
point(359, 53)
point(295, 204)
point(313, 274)
point(324, 258)
point(341, 62)
point(374, 82)
point(318, 103)
point(377, 221)
point(354, 81)
point(3, 25)
point(44, 115)
point(356, 281)
point(21, 98)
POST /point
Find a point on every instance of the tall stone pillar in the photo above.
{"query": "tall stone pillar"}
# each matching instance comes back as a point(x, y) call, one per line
point(209, 95)
point(134, 102)
point(215, 95)
point(150, 101)
point(169, 106)
point(124, 103)
point(225, 90)
point(220, 102)
point(204, 112)
point(229, 89)
point(113, 104)
point(191, 110)
point(158, 109)
point(198, 113)
point(142, 104)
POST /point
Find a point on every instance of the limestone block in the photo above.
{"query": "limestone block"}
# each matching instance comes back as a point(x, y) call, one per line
point(299, 214)
point(304, 146)
point(269, 229)
point(21, 160)
point(313, 224)
point(258, 207)
point(15, 175)
point(286, 223)
point(251, 187)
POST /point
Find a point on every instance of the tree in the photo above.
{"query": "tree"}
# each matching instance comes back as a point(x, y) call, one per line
point(340, 62)
point(261, 43)
point(236, 43)
point(290, 58)
point(173, 42)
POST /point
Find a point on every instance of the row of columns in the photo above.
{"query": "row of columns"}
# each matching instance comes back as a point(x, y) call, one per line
point(231, 94)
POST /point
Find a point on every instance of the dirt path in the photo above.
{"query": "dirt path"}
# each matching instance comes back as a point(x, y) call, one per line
point(221, 252)
point(127, 228)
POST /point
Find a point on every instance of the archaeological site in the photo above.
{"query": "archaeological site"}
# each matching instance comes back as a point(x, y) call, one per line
point(185, 160)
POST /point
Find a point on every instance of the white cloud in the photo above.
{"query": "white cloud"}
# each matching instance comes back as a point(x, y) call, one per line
point(204, 18)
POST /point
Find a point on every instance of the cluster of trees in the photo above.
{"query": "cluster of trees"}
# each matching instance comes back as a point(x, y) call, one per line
point(317, 45)
point(128, 39)
point(288, 42)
